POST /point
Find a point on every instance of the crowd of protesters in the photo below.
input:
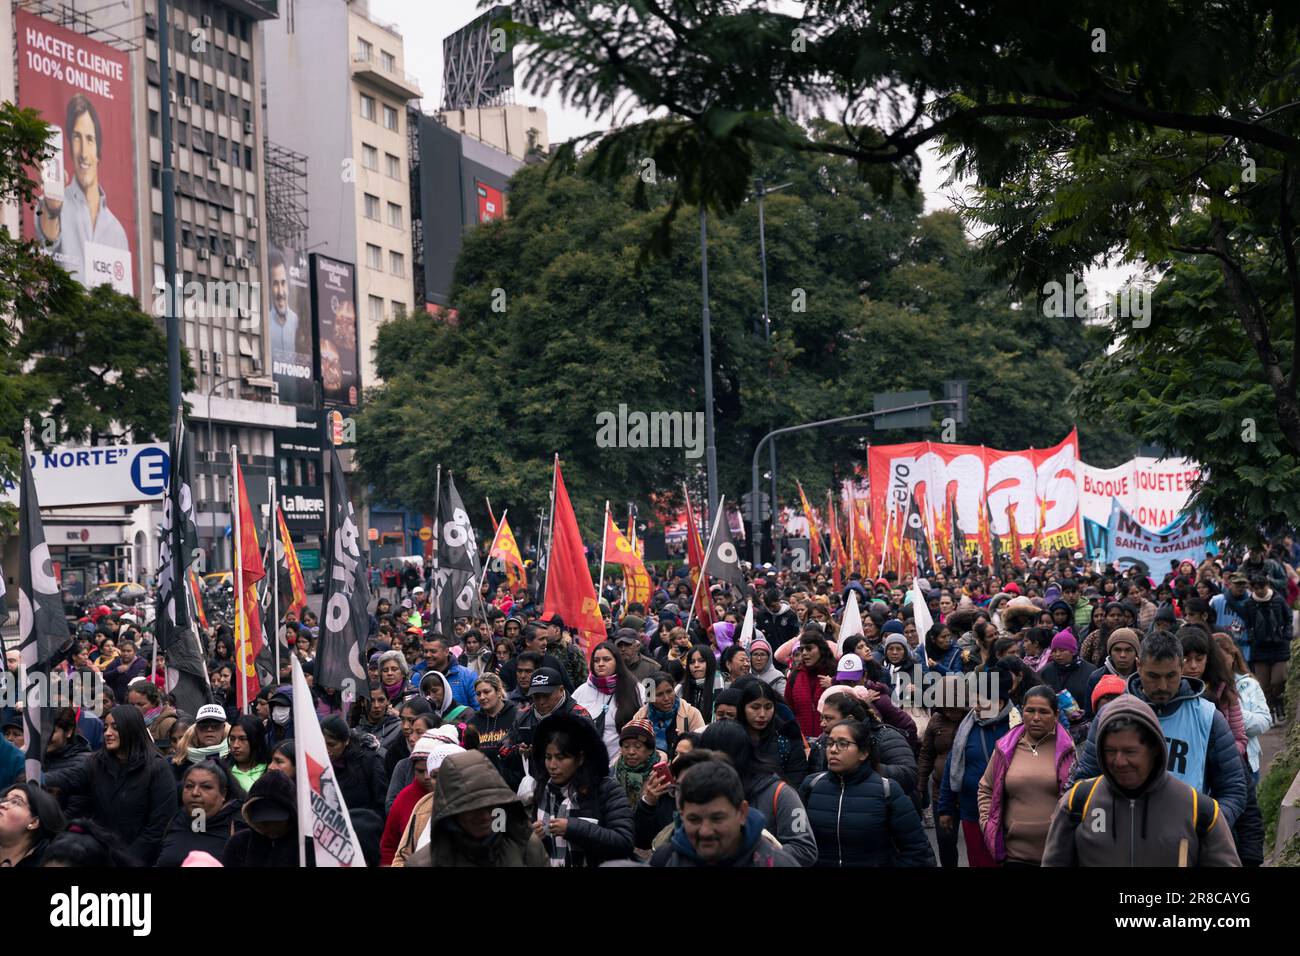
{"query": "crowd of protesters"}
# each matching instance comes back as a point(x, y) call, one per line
point(1133, 698)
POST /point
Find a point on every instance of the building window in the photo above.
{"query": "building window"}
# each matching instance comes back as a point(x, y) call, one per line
point(365, 50)
point(376, 309)
point(395, 215)
point(367, 107)
point(396, 263)
point(390, 117)
point(393, 166)
point(372, 207)
point(369, 157)
point(374, 257)
point(388, 61)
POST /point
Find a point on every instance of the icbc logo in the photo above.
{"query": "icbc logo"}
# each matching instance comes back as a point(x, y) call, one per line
point(118, 270)
point(85, 535)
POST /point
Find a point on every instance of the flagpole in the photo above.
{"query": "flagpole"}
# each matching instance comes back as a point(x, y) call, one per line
point(604, 537)
point(631, 540)
point(491, 516)
point(550, 534)
point(713, 533)
point(241, 612)
point(275, 573)
point(435, 587)
point(496, 536)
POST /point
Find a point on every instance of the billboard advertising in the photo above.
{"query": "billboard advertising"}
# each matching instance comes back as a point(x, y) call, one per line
point(491, 202)
point(300, 479)
point(333, 302)
point(84, 214)
point(290, 327)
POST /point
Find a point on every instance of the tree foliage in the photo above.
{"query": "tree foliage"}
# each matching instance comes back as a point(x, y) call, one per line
point(866, 295)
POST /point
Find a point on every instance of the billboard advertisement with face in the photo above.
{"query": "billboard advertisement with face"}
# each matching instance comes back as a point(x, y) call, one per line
point(84, 214)
point(333, 294)
point(289, 324)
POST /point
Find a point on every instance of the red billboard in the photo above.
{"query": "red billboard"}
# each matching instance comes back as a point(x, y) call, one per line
point(84, 214)
point(491, 202)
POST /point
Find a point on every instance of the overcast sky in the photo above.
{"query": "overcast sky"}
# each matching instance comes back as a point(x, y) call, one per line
point(424, 24)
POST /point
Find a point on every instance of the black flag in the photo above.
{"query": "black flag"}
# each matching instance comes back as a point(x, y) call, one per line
point(43, 635)
point(723, 560)
point(187, 676)
point(345, 614)
point(458, 564)
point(914, 531)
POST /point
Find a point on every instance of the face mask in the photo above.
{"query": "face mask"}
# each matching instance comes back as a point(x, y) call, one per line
point(280, 715)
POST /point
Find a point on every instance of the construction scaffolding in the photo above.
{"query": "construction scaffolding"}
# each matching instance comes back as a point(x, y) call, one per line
point(79, 21)
point(286, 196)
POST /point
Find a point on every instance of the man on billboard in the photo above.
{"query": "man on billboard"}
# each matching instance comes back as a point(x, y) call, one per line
point(284, 320)
point(75, 219)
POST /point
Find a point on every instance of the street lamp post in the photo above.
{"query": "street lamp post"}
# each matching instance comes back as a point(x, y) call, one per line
point(761, 190)
point(711, 451)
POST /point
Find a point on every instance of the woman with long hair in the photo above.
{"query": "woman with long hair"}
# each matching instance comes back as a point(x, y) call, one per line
point(358, 770)
point(1255, 715)
point(812, 674)
point(130, 788)
point(1203, 662)
point(495, 716)
point(248, 756)
point(582, 814)
point(1024, 781)
point(700, 680)
point(610, 694)
point(781, 745)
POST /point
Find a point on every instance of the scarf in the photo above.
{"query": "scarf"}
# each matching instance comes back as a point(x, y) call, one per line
point(606, 685)
point(661, 722)
point(151, 715)
point(632, 779)
point(556, 805)
point(957, 768)
point(200, 754)
point(395, 691)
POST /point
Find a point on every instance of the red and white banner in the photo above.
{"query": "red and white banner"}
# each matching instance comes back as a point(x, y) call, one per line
point(1152, 491)
point(974, 474)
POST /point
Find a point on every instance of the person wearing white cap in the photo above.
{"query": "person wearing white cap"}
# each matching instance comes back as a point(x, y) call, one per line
point(408, 820)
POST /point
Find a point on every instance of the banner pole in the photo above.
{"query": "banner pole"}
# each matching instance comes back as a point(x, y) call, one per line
point(604, 537)
point(241, 612)
point(275, 573)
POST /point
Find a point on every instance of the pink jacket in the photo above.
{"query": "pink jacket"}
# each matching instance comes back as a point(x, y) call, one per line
point(1000, 761)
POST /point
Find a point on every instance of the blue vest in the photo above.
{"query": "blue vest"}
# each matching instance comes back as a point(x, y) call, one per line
point(1187, 732)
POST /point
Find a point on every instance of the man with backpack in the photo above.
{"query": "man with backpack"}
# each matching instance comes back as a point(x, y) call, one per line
point(1136, 813)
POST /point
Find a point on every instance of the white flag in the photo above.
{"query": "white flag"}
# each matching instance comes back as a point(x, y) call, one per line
point(321, 809)
point(851, 620)
point(921, 613)
point(747, 628)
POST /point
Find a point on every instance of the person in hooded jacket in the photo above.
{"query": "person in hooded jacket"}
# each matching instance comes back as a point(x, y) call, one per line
point(208, 816)
point(778, 742)
point(1069, 672)
point(1121, 660)
point(610, 694)
point(463, 830)
point(972, 748)
point(1202, 750)
point(775, 618)
point(130, 788)
point(358, 770)
point(582, 815)
point(858, 817)
point(437, 690)
point(894, 756)
point(495, 716)
point(763, 666)
point(67, 747)
point(1152, 817)
point(765, 791)
point(271, 838)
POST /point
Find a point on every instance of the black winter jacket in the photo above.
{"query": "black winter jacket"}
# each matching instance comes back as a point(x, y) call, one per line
point(361, 779)
point(182, 838)
point(857, 824)
point(591, 844)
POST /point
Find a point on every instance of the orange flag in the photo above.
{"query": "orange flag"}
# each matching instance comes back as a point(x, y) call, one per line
point(814, 532)
point(296, 582)
point(569, 588)
point(695, 556)
point(1017, 554)
point(248, 617)
point(839, 561)
point(619, 550)
point(198, 598)
point(985, 536)
point(506, 548)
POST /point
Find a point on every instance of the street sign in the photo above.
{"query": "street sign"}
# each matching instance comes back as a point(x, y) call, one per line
point(916, 418)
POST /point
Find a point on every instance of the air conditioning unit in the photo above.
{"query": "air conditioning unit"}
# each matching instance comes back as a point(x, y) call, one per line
point(257, 364)
point(252, 222)
point(230, 260)
point(205, 20)
point(216, 362)
point(248, 127)
point(187, 102)
point(205, 253)
point(214, 163)
point(203, 361)
point(243, 264)
point(171, 95)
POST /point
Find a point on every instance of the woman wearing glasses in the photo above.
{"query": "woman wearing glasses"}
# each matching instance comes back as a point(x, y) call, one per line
point(858, 817)
point(29, 819)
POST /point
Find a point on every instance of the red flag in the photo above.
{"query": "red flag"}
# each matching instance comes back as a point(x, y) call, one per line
point(248, 619)
point(695, 555)
point(838, 560)
point(569, 589)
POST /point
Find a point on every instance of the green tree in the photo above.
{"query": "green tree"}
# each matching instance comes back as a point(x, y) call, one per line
point(1163, 133)
point(89, 361)
point(561, 318)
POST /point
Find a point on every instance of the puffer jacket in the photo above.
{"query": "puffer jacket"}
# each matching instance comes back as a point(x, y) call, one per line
point(1225, 775)
point(182, 838)
point(783, 816)
point(610, 836)
point(361, 779)
point(857, 823)
point(895, 759)
point(1165, 823)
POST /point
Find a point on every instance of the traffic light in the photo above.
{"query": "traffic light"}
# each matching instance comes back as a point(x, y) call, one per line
point(764, 506)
